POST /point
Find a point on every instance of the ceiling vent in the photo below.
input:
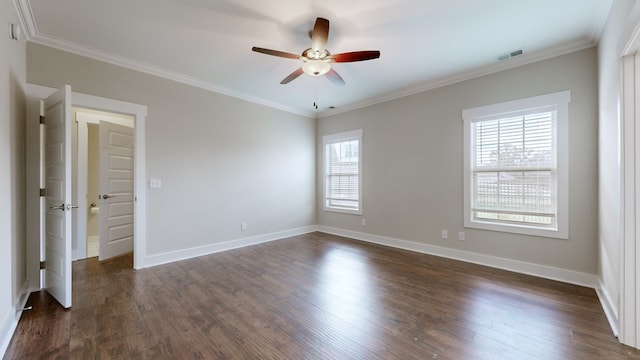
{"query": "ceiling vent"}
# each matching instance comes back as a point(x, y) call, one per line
point(510, 55)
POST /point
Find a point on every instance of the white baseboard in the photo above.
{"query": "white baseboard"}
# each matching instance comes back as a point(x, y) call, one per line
point(542, 271)
point(568, 276)
point(92, 246)
point(610, 308)
point(7, 327)
point(11, 318)
point(178, 255)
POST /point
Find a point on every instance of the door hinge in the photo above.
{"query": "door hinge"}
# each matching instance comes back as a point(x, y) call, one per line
point(43, 192)
point(43, 265)
point(43, 119)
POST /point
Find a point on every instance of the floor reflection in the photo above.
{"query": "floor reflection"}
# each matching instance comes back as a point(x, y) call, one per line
point(346, 292)
point(526, 324)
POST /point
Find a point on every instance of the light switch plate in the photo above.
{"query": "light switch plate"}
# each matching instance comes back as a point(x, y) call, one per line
point(155, 183)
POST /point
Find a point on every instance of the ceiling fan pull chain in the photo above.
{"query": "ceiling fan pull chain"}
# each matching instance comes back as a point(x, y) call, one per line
point(315, 96)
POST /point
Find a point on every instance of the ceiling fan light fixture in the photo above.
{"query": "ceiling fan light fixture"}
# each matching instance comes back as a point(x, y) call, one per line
point(317, 59)
point(316, 67)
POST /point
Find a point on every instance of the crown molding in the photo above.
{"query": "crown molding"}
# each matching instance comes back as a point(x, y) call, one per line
point(472, 74)
point(23, 9)
point(32, 33)
point(25, 13)
point(95, 54)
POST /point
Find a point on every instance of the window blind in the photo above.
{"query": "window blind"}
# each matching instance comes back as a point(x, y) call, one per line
point(343, 181)
point(514, 169)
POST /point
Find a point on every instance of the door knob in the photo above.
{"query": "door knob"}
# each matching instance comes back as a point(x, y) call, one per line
point(59, 207)
point(107, 196)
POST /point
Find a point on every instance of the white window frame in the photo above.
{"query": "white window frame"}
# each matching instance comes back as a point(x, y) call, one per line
point(560, 101)
point(328, 140)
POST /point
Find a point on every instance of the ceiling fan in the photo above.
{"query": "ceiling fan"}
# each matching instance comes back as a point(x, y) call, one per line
point(317, 59)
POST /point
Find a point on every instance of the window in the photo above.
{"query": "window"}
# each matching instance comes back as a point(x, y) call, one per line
point(343, 183)
point(516, 166)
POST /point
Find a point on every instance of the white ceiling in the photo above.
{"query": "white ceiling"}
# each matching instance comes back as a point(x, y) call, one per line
point(423, 43)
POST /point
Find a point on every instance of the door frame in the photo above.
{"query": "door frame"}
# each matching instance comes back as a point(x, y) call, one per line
point(139, 113)
point(84, 117)
point(629, 312)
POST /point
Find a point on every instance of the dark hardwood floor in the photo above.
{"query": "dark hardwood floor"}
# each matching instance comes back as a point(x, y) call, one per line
point(315, 296)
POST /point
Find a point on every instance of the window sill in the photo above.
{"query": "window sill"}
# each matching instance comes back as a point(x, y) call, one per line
point(518, 229)
point(343, 211)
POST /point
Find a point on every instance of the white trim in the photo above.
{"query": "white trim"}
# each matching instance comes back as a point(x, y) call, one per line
point(562, 97)
point(83, 118)
point(469, 75)
point(492, 68)
point(94, 117)
point(629, 321)
point(142, 67)
point(332, 139)
point(28, 21)
point(343, 136)
point(560, 100)
point(81, 180)
point(33, 34)
point(633, 43)
point(632, 263)
point(628, 216)
point(10, 321)
point(7, 328)
point(139, 112)
point(542, 271)
point(183, 254)
point(610, 308)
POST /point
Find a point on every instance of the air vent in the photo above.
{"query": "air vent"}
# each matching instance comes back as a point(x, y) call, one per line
point(516, 53)
point(510, 55)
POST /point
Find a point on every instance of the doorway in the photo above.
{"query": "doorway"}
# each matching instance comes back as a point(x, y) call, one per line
point(104, 181)
point(37, 255)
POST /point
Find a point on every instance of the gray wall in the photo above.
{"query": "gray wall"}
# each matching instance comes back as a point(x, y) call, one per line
point(412, 164)
point(222, 160)
point(217, 156)
point(13, 275)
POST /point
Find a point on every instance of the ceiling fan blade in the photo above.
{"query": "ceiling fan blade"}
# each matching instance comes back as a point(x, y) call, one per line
point(292, 76)
point(334, 77)
point(275, 53)
point(320, 35)
point(354, 56)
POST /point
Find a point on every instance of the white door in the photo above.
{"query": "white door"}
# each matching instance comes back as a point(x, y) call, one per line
point(116, 190)
point(57, 274)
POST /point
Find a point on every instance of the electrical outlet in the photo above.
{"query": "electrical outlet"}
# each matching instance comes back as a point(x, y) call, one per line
point(445, 234)
point(461, 236)
point(364, 222)
point(243, 227)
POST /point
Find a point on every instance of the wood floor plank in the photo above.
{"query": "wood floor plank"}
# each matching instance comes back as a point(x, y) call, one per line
point(315, 296)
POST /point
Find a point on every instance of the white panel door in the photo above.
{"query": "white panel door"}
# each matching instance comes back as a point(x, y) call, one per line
point(116, 190)
point(57, 275)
